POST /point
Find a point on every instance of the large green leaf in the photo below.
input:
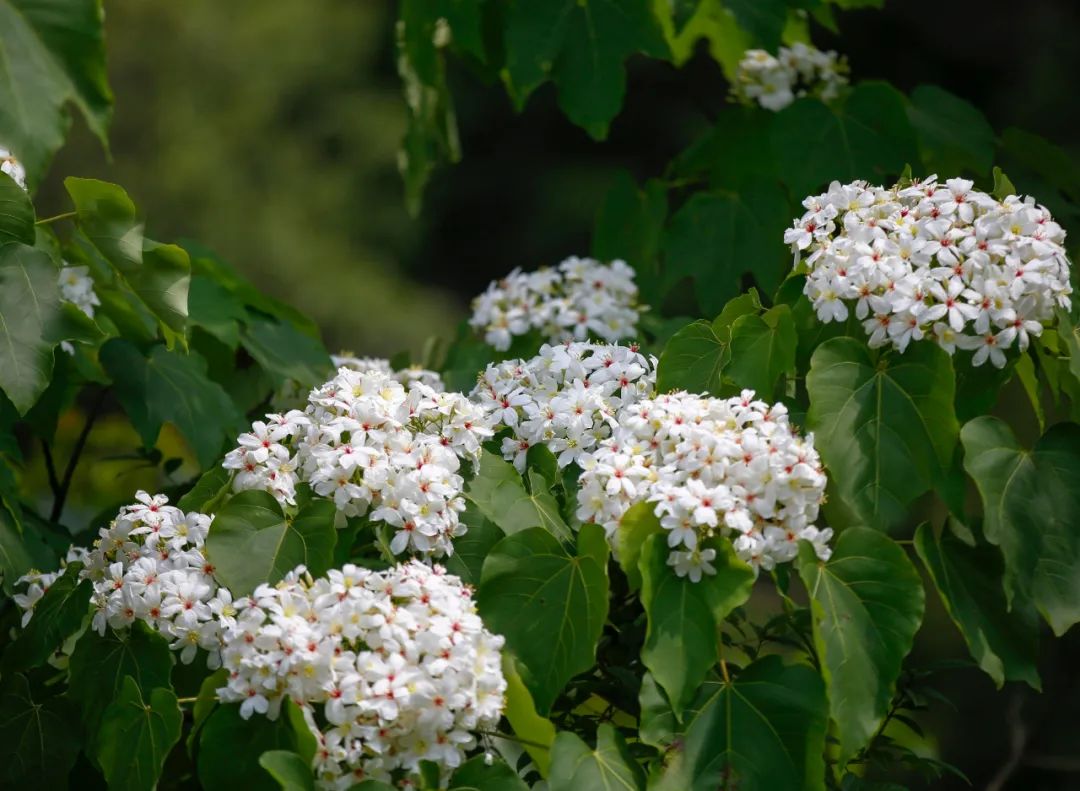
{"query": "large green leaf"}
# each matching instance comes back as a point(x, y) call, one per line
point(15, 558)
point(762, 351)
point(867, 604)
point(629, 226)
point(692, 360)
point(735, 151)
point(883, 422)
point(251, 541)
point(57, 616)
point(53, 53)
point(284, 352)
point(684, 617)
point(764, 20)
point(636, 525)
point(537, 732)
point(867, 137)
point(467, 562)
point(99, 665)
point(208, 492)
point(954, 136)
point(172, 387)
point(762, 730)
point(610, 767)
point(39, 738)
point(581, 45)
point(968, 578)
point(29, 306)
point(289, 769)
point(230, 748)
point(500, 495)
point(136, 735)
point(719, 235)
point(548, 604)
point(1031, 509)
point(477, 774)
point(16, 213)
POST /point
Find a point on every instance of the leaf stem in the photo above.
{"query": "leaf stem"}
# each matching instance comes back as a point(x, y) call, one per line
point(511, 738)
point(186, 700)
point(73, 460)
point(65, 216)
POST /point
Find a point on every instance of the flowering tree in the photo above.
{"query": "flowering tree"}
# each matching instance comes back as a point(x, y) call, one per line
point(592, 542)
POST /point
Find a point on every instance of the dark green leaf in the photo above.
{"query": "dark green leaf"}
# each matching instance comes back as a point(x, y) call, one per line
point(476, 775)
point(136, 736)
point(576, 767)
point(500, 495)
point(16, 213)
point(1005, 644)
point(883, 422)
point(762, 351)
point(692, 360)
point(765, 729)
point(629, 226)
point(211, 488)
point(954, 136)
point(15, 560)
point(57, 616)
point(764, 20)
point(637, 524)
point(29, 306)
point(216, 309)
point(549, 605)
point(289, 769)
point(230, 748)
point(251, 541)
point(736, 151)
point(684, 616)
point(1031, 507)
point(39, 738)
point(867, 603)
point(470, 549)
point(284, 352)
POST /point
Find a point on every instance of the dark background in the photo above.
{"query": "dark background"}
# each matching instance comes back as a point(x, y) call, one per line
point(268, 131)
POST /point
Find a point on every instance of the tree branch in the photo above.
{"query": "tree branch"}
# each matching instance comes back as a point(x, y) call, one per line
point(73, 460)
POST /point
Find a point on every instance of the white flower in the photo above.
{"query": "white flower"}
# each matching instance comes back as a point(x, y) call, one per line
point(10, 166)
point(948, 263)
point(798, 70)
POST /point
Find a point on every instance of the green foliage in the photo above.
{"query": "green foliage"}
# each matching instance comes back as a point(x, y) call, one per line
point(137, 733)
point(575, 766)
point(60, 613)
point(231, 749)
point(30, 304)
point(16, 213)
point(499, 493)
point(39, 736)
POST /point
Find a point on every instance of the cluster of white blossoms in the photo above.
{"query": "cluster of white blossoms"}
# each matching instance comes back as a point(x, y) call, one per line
point(149, 565)
point(396, 664)
point(581, 297)
point(414, 373)
point(567, 397)
point(775, 81)
point(945, 262)
point(10, 166)
point(375, 447)
point(729, 467)
point(38, 583)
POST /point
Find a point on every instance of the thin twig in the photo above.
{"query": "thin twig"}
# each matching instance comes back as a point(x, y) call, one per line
point(1018, 737)
point(73, 459)
point(65, 216)
point(50, 468)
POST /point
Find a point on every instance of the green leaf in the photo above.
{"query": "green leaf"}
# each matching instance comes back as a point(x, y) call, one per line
point(1003, 188)
point(734, 152)
point(57, 616)
point(137, 735)
point(867, 604)
point(54, 54)
point(467, 562)
point(15, 559)
point(230, 748)
point(39, 738)
point(868, 137)
point(692, 360)
point(954, 136)
point(29, 306)
point(205, 704)
point(216, 309)
point(637, 524)
point(968, 578)
point(576, 767)
point(713, 22)
point(538, 732)
point(500, 495)
point(1031, 507)
point(289, 769)
point(99, 665)
point(172, 387)
point(549, 605)
point(762, 350)
point(718, 236)
point(764, 20)
point(581, 45)
point(629, 226)
point(16, 213)
point(208, 492)
point(251, 541)
point(765, 729)
point(684, 616)
point(883, 423)
point(476, 775)
point(284, 352)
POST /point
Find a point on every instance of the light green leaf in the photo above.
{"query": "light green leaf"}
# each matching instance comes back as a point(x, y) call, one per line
point(57, 616)
point(208, 492)
point(538, 732)
point(713, 22)
point(968, 578)
point(637, 524)
point(251, 541)
point(29, 306)
point(763, 729)
point(954, 136)
point(137, 735)
point(883, 422)
point(610, 767)
point(289, 769)
point(16, 213)
point(581, 45)
point(1003, 187)
point(54, 54)
point(762, 351)
point(549, 605)
point(684, 616)
point(39, 738)
point(500, 495)
point(1031, 508)
point(867, 603)
point(172, 387)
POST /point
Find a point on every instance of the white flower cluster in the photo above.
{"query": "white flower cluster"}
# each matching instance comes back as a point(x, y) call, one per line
point(774, 82)
point(712, 466)
point(77, 287)
point(414, 373)
point(579, 298)
point(948, 262)
point(397, 664)
point(38, 583)
point(148, 565)
point(371, 444)
point(10, 166)
point(567, 397)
